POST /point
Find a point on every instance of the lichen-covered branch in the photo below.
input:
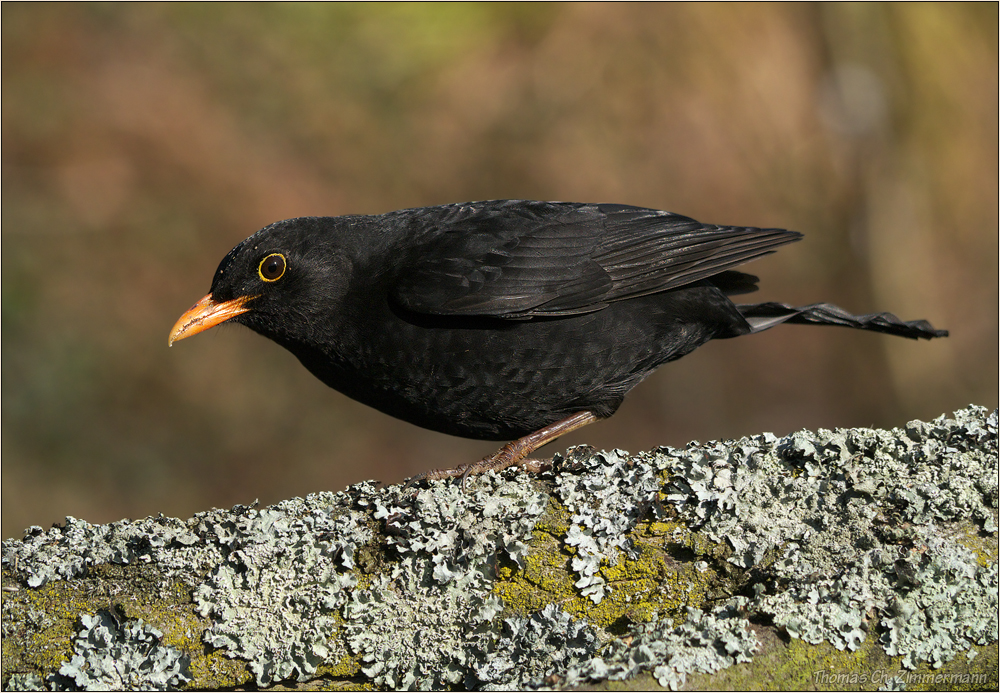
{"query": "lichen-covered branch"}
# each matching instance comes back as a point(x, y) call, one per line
point(763, 562)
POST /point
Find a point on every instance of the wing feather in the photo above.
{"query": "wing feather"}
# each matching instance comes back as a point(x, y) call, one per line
point(517, 259)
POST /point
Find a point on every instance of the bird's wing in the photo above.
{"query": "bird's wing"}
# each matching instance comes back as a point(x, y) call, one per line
point(520, 260)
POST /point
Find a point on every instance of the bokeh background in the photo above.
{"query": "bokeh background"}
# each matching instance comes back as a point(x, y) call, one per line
point(142, 141)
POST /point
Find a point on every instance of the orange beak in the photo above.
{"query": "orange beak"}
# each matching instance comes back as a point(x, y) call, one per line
point(205, 314)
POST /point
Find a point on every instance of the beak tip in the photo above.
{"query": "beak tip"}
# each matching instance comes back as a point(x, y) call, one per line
point(178, 332)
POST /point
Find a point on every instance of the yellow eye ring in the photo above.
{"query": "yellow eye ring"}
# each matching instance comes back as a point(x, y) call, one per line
point(272, 268)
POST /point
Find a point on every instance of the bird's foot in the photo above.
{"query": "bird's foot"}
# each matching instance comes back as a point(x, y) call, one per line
point(507, 456)
point(513, 453)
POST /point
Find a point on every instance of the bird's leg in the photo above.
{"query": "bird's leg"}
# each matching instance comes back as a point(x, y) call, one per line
point(512, 453)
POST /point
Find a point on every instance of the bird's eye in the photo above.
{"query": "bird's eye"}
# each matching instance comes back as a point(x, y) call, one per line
point(272, 267)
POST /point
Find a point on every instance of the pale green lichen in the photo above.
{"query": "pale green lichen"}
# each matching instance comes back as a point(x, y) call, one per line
point(529, 650)
point(846, 511)
point(274, 599)
point(69, 551)
point(703, 643)
point(945, 601)
point(427, 621)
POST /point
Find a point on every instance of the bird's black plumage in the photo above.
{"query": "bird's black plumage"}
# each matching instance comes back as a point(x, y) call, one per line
point(492, 320)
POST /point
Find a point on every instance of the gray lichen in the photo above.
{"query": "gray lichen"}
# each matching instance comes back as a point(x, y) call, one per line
point(705, 643)
point(274, 598)
point(846, 514)
point(426, 623)
point(858, 538)
point(66, 552)
point(530, 651)
point(947, 601)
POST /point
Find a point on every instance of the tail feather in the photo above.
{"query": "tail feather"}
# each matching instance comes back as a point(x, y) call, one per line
point(763, 316)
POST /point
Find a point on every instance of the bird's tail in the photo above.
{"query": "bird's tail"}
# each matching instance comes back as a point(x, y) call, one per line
point(763, 316)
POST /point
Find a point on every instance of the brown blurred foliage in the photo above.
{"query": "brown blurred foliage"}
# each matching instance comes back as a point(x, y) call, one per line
point(142, 141)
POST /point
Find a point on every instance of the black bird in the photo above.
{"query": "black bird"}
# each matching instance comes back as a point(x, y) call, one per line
point(499, 320)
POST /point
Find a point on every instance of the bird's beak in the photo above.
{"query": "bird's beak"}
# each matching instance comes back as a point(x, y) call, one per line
point(205, 314)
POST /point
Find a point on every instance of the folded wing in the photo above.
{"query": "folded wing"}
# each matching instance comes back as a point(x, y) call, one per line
point(516, 260)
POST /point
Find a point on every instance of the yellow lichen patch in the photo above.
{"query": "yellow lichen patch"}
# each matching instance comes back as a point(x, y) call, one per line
point(346, 667)
point(545, 579)
point(48, 615)
point(555, 520)
point(676, 535)
point(651, 583)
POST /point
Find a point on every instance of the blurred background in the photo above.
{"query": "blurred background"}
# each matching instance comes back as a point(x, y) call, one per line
point(142, 141)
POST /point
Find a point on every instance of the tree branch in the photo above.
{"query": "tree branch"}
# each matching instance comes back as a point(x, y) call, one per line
point(763, 562)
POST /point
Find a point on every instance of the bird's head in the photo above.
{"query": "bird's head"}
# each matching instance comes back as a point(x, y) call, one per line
point(282, 282)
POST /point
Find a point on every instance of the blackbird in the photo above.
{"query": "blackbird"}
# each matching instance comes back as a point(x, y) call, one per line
point(505, 319)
